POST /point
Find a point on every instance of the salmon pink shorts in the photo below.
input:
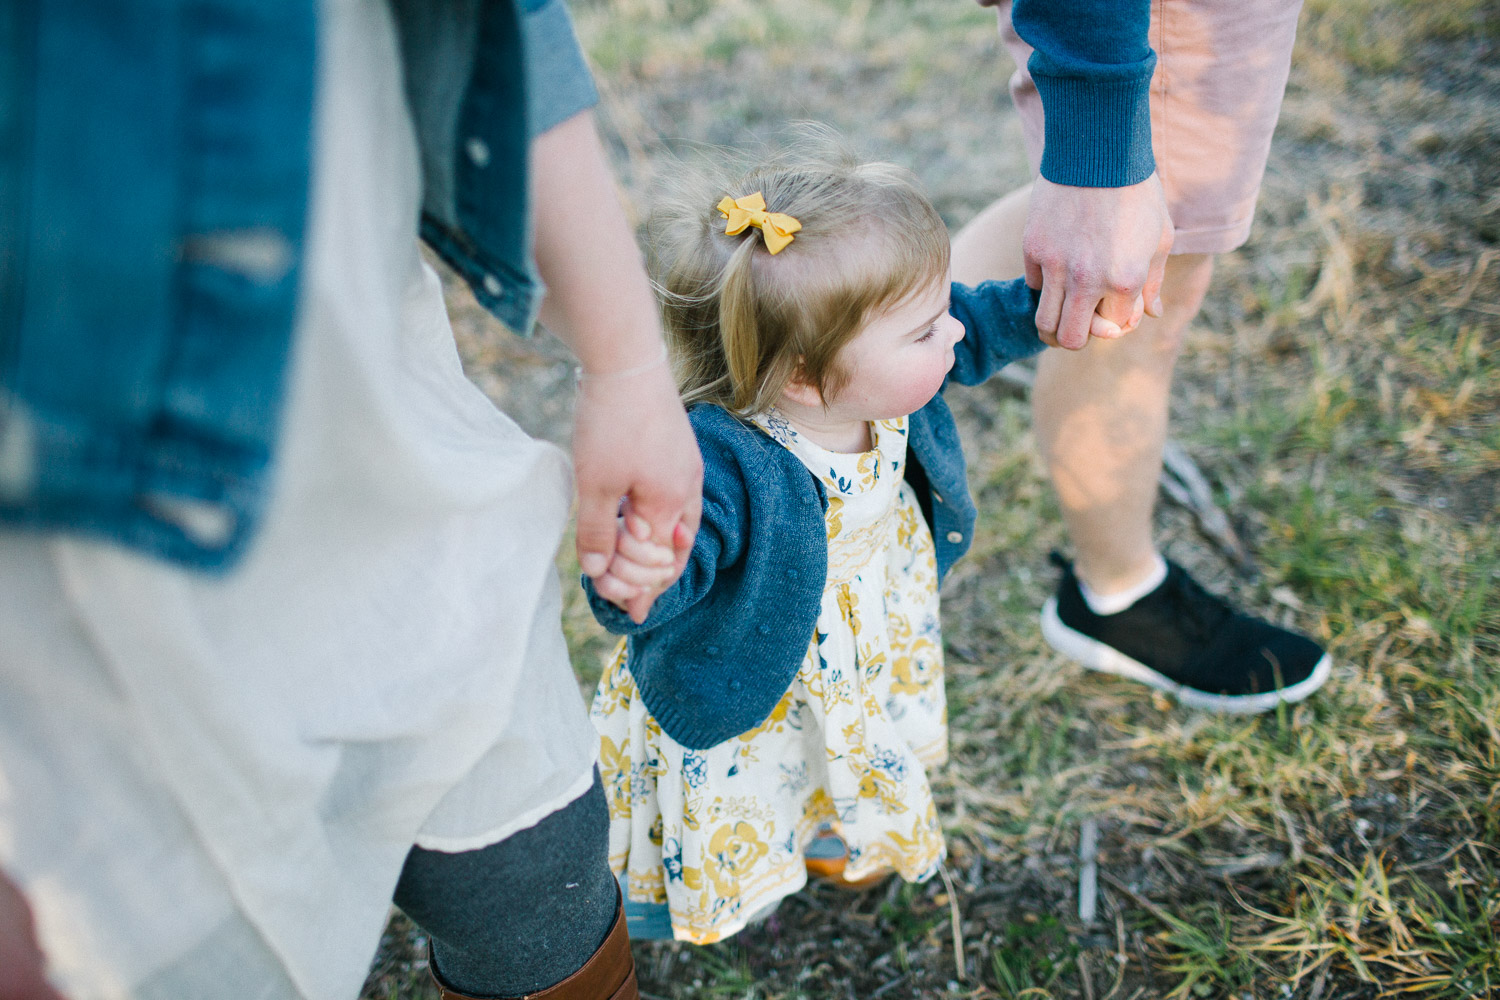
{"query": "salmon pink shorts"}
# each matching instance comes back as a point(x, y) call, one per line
point(1220, 74)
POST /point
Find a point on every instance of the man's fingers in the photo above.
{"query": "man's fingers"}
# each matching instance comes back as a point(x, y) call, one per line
point(1156, 274)
point(1033, 273)
point(1049, 308)
point(596, 531)
point(1077, 318)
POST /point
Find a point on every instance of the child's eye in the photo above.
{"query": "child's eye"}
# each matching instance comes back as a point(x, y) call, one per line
point(929, 333)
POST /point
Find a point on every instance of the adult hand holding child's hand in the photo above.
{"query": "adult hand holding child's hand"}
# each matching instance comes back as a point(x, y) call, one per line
point(631, 436)
point(631, 439)
point(1098, 255)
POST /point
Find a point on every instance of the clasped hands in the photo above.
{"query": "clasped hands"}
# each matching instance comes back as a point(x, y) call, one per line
point(1098, 255)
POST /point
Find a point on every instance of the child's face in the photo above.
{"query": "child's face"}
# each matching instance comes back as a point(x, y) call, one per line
point(897, 363)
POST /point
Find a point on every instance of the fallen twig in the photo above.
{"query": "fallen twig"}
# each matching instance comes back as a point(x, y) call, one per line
point(1088, 872)
point(956, 918)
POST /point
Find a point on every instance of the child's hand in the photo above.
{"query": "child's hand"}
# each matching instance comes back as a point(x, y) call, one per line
point(1103, 329)
point(640, 569)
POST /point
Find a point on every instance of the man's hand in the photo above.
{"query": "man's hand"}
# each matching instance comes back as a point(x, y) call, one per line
point(21, 959)
point(1098, 255)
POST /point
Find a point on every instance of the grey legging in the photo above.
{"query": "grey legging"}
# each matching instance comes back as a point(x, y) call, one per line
point(520, 915)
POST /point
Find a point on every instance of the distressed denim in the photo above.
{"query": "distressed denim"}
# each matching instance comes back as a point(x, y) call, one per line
point(153, 196)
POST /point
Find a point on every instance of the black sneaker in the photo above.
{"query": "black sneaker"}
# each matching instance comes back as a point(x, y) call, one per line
point(1184, 640)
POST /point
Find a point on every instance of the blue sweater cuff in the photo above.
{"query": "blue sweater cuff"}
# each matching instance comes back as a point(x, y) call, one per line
point(1098, 132)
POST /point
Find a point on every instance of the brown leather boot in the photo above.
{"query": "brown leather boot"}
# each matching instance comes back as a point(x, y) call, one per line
point(609, 974)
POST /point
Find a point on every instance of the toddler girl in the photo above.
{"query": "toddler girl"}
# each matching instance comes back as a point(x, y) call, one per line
point(789, 686)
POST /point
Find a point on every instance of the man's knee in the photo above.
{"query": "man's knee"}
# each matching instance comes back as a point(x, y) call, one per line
point(1183, 287)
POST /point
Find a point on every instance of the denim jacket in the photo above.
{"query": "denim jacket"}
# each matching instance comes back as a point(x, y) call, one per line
point(721, 646)
point(153, 196)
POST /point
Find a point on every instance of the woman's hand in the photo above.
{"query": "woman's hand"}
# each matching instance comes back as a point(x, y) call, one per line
point(631, 438)
point(21, 959)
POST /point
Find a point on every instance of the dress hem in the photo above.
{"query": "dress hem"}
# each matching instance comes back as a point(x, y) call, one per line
point(529, 818)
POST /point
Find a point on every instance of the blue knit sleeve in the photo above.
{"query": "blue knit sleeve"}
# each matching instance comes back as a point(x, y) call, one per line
point(999, 319)
point(1092, 66)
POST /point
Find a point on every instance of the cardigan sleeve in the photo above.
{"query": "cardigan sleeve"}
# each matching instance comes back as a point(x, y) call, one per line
point(1092, 66)
point(999, 319)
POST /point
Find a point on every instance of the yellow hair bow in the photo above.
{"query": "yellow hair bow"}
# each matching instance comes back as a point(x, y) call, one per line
point(775, 228)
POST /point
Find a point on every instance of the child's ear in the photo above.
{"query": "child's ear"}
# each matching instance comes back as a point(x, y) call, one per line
point(801, 391)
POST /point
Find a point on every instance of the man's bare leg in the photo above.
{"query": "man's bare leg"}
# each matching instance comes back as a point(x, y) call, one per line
point(1100, 413)
point(1101, 420)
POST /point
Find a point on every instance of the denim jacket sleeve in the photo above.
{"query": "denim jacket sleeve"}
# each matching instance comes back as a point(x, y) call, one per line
point(469, 65)
point(151, 237)
point(151, 220)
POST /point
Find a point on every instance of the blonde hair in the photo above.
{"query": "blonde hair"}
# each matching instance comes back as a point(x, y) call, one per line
point(740, 322)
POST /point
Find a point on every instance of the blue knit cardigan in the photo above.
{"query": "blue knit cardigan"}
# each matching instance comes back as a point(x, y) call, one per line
point(721, 647)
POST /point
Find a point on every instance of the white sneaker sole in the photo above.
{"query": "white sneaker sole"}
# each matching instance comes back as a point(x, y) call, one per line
point(1095, 655)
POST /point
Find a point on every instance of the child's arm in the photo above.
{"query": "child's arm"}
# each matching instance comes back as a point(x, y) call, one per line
point(999, 319)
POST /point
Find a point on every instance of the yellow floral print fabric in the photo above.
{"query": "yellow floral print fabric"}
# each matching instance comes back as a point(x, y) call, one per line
point(718, 834)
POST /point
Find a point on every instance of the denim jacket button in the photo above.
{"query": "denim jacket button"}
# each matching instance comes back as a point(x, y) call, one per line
point(955, 537)
point(479, 153)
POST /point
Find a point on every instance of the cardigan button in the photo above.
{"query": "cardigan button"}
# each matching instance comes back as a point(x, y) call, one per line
point(479, 153)
point(791, 574)
point(711, 650)
point(937, 497)
point(735, 685)
point(763, 629)
point(955, 537)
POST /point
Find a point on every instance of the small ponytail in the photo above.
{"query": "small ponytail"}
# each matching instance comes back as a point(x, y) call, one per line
point(742, 322)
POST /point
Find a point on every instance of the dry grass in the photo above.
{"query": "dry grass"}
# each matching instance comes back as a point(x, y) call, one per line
point(1342, 397)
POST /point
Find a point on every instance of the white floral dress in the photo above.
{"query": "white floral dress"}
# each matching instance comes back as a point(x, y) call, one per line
point(718, 835)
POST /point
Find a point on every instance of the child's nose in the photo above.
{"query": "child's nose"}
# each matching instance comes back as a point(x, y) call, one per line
point(955, 328)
